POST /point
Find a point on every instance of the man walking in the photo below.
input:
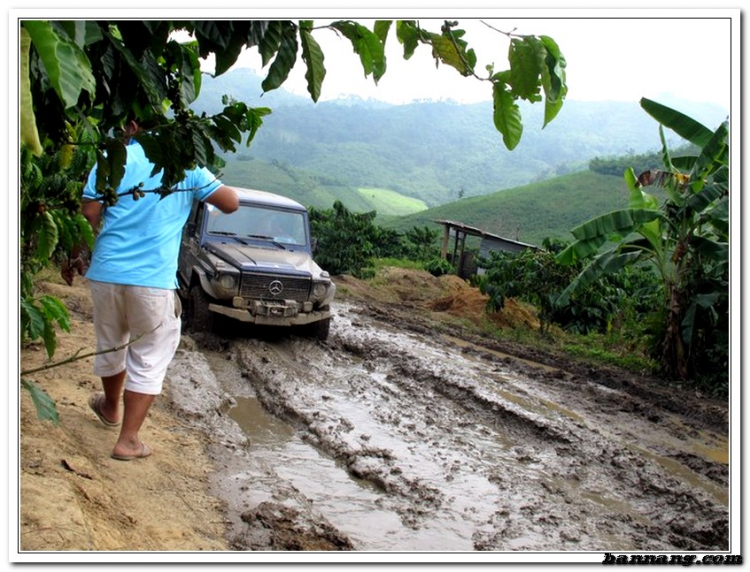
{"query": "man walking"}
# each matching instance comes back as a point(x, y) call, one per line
point(133, 278)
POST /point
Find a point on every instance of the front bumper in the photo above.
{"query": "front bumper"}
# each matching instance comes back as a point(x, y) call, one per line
point(271, 314)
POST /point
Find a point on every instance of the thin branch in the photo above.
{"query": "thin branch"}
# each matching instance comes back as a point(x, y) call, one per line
point(76, 357)
point(509, 34)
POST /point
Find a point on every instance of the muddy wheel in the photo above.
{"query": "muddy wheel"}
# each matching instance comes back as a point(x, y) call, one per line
point(199, 317)
point(319, 330)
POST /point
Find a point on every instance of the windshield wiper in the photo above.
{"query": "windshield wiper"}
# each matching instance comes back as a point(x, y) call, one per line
point(232, 234)
point(268, 238)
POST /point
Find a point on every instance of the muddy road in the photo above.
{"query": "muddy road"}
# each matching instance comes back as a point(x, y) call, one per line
point(393, 436)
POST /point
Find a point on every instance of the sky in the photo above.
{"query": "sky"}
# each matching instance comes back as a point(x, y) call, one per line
point(622, 58)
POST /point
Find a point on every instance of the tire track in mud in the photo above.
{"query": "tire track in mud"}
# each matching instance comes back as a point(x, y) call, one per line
point(469, 453)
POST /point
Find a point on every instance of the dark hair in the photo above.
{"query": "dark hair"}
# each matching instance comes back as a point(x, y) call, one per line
point(144, 121)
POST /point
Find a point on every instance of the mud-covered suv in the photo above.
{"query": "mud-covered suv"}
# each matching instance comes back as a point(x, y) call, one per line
point(254, 265)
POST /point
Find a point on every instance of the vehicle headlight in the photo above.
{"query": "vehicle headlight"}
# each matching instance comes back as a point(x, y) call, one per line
point(227, 281)
point(319, 289)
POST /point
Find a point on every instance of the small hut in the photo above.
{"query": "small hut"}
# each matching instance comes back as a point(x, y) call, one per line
point(463, 261)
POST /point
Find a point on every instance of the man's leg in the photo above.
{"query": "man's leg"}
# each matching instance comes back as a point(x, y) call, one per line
point(135, 411)
point(111, 332)
point(113, 385)
point(154, 318)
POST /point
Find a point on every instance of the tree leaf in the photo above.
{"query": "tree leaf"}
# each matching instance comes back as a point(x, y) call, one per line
point(367, 45)
point(286, 56)
point(553, 79)
point(32, 320)
point(711, 249)
point(46, 409)
point(227, 57)
point(271, 41)
point(606, 263)
point(381, 29)
point(525, 55)
point(254, 118)
point(47, 235)
point(451, 50)
point(313, 57)
point(714, 154)
point(67, 67)
point(408, 34)
point(29, 132)
point(686, 127)
point(639, 199)
point(66, 228)
point(621, 222)
point(553, 71)
point(85, 230)
point(190, 73)
point(506, 115)
point(116, 158)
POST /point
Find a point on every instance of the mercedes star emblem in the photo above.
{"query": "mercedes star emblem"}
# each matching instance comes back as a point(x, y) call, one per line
point(275, 287)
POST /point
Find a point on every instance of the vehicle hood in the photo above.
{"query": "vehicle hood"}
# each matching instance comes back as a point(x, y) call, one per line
point(251, 258)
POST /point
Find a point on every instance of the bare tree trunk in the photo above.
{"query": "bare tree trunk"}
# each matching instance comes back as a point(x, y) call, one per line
point(674, 356)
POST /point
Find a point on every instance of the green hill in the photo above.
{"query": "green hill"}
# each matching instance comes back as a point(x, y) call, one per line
point(532, 212)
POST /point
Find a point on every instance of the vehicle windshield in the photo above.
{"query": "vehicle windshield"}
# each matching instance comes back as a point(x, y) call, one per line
point(253, 222)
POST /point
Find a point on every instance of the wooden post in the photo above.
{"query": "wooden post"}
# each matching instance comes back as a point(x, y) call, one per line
point(455, 247)
point(444, 251)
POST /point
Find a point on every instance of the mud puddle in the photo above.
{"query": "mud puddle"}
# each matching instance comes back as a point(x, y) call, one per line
point(383, 439)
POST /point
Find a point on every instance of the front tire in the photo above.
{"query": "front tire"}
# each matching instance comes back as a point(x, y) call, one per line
point(199, 317)
point(319, 330)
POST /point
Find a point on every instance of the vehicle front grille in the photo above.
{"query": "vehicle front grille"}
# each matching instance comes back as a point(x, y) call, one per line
point(265, 287)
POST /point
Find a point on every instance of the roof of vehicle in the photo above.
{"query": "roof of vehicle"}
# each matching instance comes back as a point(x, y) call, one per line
point(267, 198)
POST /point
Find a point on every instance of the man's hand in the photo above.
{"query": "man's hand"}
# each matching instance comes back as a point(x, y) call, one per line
point(76, 262)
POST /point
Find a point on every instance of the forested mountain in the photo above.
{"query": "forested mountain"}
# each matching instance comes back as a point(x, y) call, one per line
point(437, 152)
point(401, 160)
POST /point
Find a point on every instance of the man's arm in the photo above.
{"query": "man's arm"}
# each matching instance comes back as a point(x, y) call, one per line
point(225, 199)
point(92, 210)
point(78, 257)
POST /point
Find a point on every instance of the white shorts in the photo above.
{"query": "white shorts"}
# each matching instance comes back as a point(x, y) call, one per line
point(123, 313)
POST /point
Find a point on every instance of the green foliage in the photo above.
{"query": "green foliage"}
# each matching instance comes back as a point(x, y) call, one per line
point(347, 242)
point(531, 275)
point(43, 403)
point(38, 319)
point(421, 244)
point(684, 240)
point(537, 277)
point(51, 225)
point(438, 266)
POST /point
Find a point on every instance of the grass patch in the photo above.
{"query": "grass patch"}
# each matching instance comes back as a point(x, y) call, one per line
point(379, 263)
point(594, 348)
point(391, 203)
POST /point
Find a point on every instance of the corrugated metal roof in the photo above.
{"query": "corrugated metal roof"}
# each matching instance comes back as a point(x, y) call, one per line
point(474, 231)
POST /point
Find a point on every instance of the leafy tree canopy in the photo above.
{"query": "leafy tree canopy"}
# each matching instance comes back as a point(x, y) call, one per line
point(93, 75)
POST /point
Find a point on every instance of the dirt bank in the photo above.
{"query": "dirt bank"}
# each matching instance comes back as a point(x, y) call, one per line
point(407, 431)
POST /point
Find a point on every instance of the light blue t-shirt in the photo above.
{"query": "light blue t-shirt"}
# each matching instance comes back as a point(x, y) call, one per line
point(139, 242)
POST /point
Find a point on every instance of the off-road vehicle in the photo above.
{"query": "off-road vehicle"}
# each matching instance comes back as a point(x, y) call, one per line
point(254, 265)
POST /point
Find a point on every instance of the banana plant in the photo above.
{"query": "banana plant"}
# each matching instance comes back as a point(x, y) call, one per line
point(685, 240)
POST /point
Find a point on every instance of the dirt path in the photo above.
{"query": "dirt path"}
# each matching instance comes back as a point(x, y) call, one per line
point(391, 436)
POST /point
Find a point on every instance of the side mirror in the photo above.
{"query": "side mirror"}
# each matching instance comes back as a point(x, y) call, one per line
point(314, 244)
